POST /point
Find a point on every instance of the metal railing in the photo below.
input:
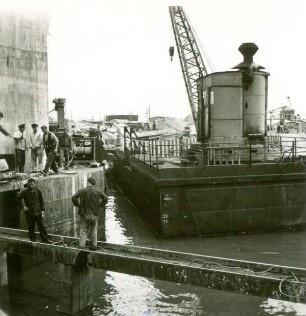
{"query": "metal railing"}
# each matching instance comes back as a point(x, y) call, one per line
point(186, 152)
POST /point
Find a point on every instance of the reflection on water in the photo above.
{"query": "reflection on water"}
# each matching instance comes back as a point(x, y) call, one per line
point(275, 307)
point(115, 231)
point(2, 313)
point(125, 295)
point(131, 295)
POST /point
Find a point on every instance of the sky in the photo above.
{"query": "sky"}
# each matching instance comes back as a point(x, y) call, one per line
point(111, 57)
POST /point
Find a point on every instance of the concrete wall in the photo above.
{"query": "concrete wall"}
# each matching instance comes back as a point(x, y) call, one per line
point(23, 71)
point(60, 216)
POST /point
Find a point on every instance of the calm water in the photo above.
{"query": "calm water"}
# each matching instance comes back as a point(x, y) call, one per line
point(120, 294)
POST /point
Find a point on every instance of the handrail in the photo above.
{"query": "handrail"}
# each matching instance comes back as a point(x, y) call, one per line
point(278, 149)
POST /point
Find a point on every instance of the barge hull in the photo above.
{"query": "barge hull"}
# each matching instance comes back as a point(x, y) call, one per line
point(217, 200)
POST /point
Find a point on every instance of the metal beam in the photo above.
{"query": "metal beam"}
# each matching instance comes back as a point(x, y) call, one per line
point(243, 277)
point(191, 61)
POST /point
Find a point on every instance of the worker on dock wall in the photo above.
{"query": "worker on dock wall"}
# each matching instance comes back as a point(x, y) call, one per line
point(89, 200)
point(2, 129)
point(32, 202)
point(100, 153)
point(21, 146)
point(65, 148)
point(50, 142)
point(36, 145)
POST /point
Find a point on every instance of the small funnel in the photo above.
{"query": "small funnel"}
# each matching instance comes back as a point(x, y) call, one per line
point(248, 50)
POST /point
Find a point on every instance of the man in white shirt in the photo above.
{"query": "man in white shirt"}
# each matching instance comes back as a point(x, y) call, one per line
point(36, 145)
point(20, 148)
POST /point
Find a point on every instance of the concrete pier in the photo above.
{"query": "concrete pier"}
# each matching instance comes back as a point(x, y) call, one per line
point(3, 269)
point(73, 279)
point(73, 287)
point(60, 216)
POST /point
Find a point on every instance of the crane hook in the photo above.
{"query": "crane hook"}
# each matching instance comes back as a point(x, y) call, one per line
point(171, 52)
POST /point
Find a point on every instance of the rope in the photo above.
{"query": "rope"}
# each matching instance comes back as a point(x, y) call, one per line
point(207, 265)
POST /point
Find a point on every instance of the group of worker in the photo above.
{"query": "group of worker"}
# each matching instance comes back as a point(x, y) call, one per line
point(40, 142)
point(88, 200)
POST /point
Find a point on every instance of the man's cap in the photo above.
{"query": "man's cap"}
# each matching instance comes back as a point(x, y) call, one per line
point(21, 125)
point(31, 180)
point(1, 114)
point(91, 181)
point(44, 126)
point(34, 125)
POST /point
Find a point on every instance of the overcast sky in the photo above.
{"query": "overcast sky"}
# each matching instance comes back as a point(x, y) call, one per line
point(111, 57)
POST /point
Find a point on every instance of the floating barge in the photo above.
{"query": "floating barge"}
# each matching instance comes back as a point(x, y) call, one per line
point(237, 178)
point(191, 201)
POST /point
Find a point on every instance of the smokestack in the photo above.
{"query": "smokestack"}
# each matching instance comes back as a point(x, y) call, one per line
point(59, 107)
point(248, 50)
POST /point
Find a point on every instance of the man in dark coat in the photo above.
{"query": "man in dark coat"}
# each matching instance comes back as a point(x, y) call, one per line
point(91, 199)
point(100, 152)
point(31, 201)
point(50, 142)
point(65, 148)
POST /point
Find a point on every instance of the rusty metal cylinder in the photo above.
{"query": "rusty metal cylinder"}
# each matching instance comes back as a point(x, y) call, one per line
point(255, 105)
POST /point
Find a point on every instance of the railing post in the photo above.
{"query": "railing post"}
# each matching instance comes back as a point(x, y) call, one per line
point(124, 140)
point(150, 158)
point(281, 145)
point(293, 151)
point(250, 153)
point(156, 154)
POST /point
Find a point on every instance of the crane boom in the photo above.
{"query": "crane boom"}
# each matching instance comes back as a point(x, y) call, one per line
point(191, 61)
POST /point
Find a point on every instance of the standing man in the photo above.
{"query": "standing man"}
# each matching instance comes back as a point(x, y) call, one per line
point(65, 148)
point(36, 145)
point(20, 148)
point(101, 153)
point(154, 125)
point(50, 143)
point(31, 201)
point(182, 145)
point(2, 129)
point(91, 199)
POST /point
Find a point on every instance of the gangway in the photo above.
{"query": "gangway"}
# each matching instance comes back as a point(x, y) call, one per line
point(243, 277)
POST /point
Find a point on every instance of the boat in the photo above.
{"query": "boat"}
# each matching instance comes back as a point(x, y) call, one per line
point(235, 178)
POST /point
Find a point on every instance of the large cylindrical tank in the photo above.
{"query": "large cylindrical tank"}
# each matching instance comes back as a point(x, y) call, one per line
point(255, 105)
point(233, 104)
point(220, 106)
point(255, 92)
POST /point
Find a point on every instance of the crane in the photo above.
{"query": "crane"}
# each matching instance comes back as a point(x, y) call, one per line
point(191, 61)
